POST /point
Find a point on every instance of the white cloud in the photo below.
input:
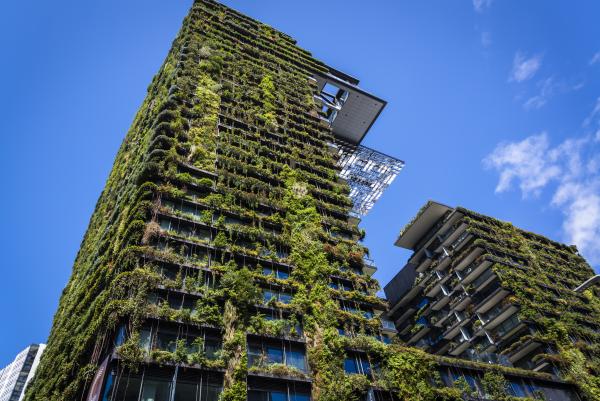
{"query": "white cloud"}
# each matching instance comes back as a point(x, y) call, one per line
point(486, 39)
point(595, 59)
point(524, 67)
point(481, 5)
point(526, 162)
point(580, 204)
point(547, 88)
point(594, 115)
point(570, 171)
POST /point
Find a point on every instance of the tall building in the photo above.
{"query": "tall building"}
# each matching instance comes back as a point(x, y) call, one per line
point(15, 377)
point(223, 260)
point(223, 256)
point(480, 289)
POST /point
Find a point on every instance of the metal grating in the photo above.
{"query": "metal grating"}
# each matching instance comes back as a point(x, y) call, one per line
point(368, 172)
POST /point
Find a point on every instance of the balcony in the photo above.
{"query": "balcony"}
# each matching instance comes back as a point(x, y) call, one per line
point(369, 266)
point(461, 301)
point(453, 323)
point(388, 325)
point(498, 313)
point(441, 299)
point(480, 282)
point(421, 327)
point(460, 241)
point(489, 298)
point(489, 357)
point(507, 327)
point(460, 343)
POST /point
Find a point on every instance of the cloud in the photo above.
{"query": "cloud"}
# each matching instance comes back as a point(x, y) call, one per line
point(525, 162)
point(594, 115)
point(481, 5)
point(524, 67)
point(486, 39)
point(548, 88)
point(569, 171)
point(595, 59)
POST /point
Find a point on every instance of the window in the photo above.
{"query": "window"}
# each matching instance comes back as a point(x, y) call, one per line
point(156, 390)
point(341, 285)
point(279, 273)
point(269, 295)
point(357, 364)
point(268, 353)
point(272, 395)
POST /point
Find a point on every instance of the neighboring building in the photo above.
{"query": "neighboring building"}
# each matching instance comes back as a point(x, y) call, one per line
point(15, 377)
point(483, 290)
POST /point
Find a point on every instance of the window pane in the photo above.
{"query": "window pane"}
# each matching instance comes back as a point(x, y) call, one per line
point(350, 365)
point(155, 390)
point(186, 391)
point(366, 367)
point(296, 359)
point(254, 355)
point(129, 389)
point(211, 393)
point(278, 396)
point(283, 274)
point(274, 355)
point(299, 397)
point(145, 338)
point(211, 347)
point(254, 395)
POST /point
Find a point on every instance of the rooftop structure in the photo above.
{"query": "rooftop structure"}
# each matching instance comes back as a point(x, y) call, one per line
point(351, 112)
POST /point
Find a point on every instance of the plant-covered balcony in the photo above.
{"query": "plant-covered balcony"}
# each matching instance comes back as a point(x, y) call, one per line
point(277, 358)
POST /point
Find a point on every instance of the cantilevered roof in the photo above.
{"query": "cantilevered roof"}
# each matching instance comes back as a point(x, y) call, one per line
point(421, 224)
point(359, 110)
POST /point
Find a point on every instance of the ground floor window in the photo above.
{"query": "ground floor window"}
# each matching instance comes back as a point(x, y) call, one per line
point(168, 384)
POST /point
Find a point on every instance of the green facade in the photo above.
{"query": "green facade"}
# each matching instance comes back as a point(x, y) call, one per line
point(224, 195)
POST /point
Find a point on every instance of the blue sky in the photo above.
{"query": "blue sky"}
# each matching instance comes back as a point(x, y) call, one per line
point(492, 104)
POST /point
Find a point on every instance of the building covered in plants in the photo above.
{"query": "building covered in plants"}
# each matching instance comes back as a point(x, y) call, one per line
point(223, 260)
point(482, 290)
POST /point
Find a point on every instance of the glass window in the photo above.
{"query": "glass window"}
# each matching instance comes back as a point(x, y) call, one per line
point(517, 389)
point(145, 339)
point(186, 391)
point(128, 390)
point(278, 396)
point(299, 397)
point(365, 366)
point(285, 298)
point(282, 274)
point(155, 390)
point(350, 366)
point(254, 395)
point(254, 355)
point(274, 355)
point(268, 295)
point(296, 359)
point(211, 347)
point(211, 393)
point(166, 341)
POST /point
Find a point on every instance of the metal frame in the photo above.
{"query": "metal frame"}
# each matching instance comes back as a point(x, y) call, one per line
point(368, 172)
